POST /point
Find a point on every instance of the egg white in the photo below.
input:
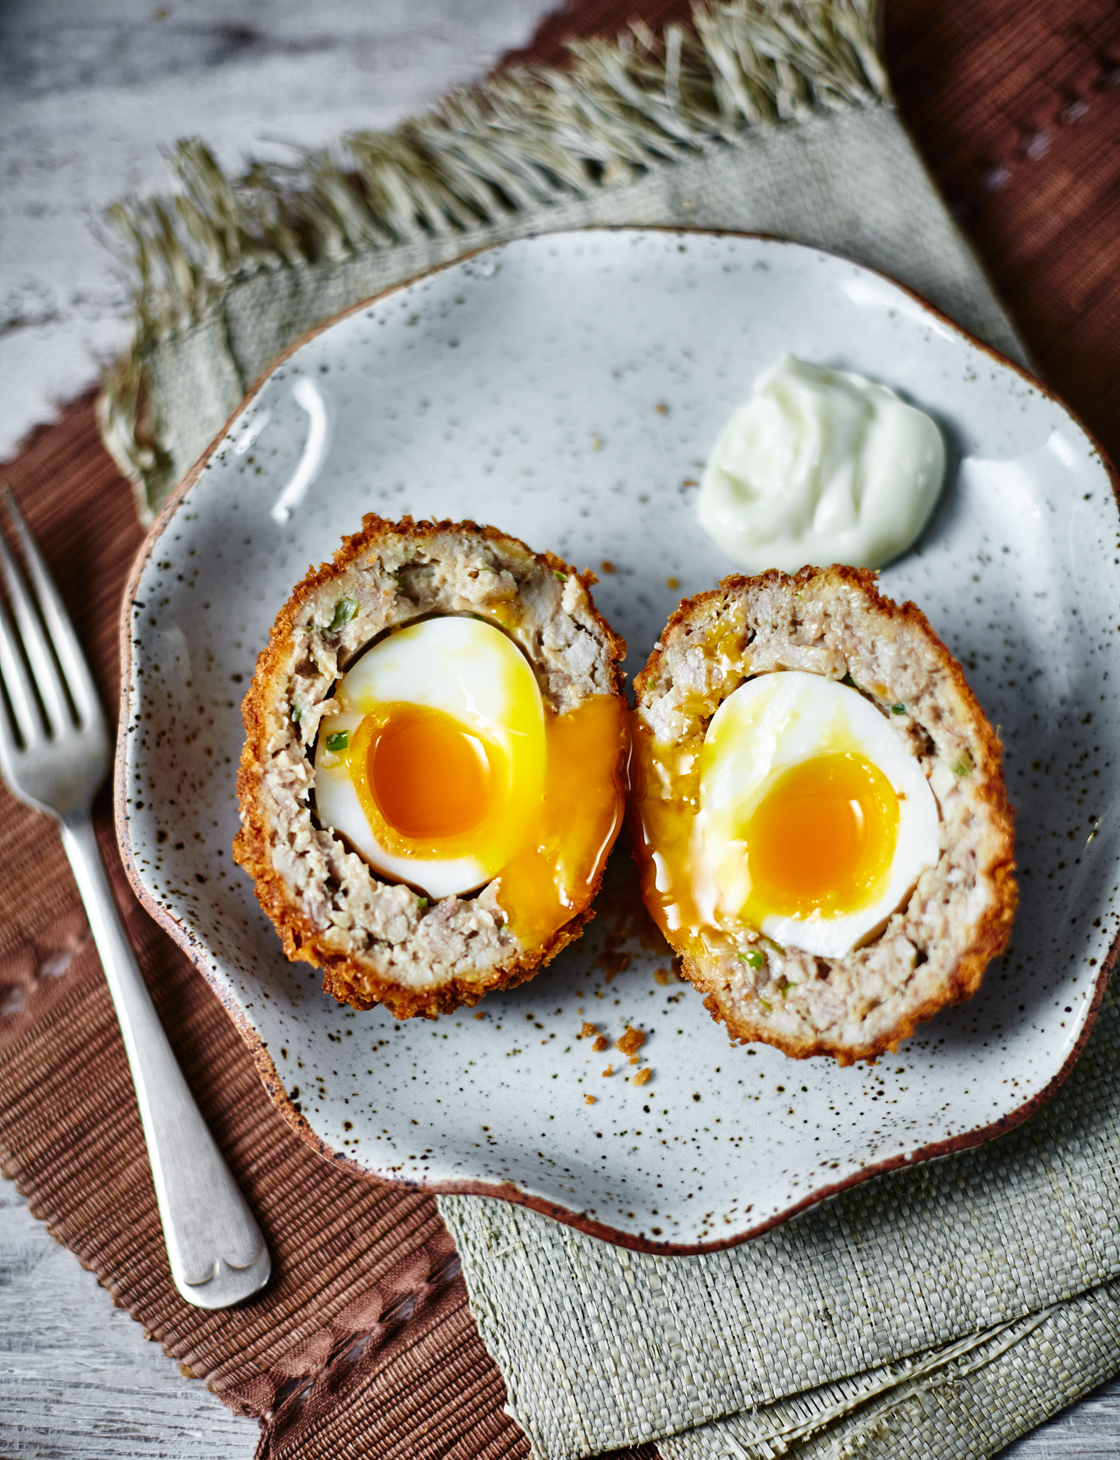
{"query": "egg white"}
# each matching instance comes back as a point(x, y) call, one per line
point(471, 671)
point(768, 725)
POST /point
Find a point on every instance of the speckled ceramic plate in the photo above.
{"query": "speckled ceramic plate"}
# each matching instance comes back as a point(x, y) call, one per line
point(566, 388)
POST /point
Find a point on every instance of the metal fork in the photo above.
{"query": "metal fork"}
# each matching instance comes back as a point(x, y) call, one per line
point(55, 754)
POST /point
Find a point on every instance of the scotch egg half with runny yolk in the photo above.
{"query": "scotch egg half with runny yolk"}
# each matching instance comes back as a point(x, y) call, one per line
point(813, 821)
point(445, 769)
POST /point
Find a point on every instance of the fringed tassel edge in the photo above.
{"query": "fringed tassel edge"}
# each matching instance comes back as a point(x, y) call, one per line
point(518, 141)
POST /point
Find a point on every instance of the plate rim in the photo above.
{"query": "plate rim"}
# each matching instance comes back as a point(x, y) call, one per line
point(510, 1191)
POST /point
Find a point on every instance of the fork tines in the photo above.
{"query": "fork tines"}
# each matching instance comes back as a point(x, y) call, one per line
point(43, 674)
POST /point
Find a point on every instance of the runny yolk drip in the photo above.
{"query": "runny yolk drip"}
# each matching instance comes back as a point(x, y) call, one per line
point(431, 777)
point(822, 838)
point(432, 788)
point(664, 823)
point(575, 826)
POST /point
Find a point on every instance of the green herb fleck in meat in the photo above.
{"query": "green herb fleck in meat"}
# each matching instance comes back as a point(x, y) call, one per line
point(344, 610)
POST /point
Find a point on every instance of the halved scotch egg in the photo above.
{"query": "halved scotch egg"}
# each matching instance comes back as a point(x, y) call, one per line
point(819, 813)
point(433, 773)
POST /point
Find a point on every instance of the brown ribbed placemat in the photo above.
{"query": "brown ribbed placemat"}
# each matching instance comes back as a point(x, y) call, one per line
point(363, 1336)
point(1015, 105)
point(363, 1343)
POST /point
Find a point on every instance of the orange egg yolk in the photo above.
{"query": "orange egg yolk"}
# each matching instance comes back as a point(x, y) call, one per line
point(822, 838)
point(431, 777)
point(435, 789)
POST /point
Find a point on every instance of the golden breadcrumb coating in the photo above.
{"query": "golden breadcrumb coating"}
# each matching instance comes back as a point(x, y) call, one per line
point(934, 949)
point(375, 940)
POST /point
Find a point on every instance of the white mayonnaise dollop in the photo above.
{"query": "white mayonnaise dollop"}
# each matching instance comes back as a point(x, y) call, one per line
point(820, 467)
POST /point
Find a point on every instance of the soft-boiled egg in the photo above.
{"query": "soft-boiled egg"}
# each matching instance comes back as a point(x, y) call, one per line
point(438, 749)
point(814, 823)
point(445, 769)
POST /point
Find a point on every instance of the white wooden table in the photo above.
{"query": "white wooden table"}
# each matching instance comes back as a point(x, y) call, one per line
point(88, 95)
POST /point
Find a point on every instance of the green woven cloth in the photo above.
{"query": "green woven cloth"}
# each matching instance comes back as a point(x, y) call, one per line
point(940, 1311)
point(921, 1271)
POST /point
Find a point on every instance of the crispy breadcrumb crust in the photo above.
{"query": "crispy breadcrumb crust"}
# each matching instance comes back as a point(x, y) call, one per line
point(933, 951)
point(377, 941)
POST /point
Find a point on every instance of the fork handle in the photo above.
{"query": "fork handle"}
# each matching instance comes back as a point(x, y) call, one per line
point(215, 1248)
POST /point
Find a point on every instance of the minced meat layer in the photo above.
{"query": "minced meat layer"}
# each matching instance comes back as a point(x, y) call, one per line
point(376, 941)
point(934, 950)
